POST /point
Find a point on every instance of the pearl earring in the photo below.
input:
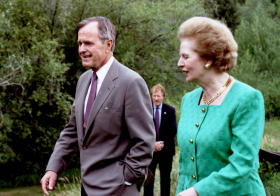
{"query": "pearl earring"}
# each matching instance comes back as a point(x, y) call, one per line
point(207, 66)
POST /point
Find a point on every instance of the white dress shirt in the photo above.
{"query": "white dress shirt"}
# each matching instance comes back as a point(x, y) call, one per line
point(101, 74)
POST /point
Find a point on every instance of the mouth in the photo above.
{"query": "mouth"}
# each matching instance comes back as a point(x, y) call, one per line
point(86, 56)
point(186, 72)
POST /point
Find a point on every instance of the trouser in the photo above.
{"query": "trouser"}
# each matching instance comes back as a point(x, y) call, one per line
point(165, 166)
point(83, 192)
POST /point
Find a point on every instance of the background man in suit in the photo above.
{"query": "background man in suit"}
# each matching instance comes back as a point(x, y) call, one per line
point(166, 129)
point(110, 123)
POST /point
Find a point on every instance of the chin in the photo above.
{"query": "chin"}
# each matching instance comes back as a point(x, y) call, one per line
point(88, 65)
point(188, 80)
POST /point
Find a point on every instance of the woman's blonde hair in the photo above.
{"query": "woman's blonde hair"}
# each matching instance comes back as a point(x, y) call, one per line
point(214, 41)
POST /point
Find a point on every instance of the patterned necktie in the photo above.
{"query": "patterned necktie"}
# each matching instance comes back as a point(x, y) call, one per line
point(157, 123)
point(91, 98)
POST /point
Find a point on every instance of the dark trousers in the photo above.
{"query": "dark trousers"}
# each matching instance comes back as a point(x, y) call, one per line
point(83, 192)
point(165, 166)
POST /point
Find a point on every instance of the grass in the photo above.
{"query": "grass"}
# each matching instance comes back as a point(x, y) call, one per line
point(66, 187)
point(34, 191)
point(271, 135)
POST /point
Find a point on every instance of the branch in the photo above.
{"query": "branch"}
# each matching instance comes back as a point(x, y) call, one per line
point(9, 79)
point(1, 117)
point(54, 14)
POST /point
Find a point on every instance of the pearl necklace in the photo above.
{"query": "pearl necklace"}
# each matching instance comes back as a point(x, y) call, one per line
point(220, 91)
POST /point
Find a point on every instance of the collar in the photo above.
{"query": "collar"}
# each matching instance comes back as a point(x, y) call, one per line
point(159, 107)
point(102, 72)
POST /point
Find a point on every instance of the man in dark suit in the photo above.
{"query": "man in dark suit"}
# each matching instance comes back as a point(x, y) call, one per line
point(166, 129)
point(111, 121)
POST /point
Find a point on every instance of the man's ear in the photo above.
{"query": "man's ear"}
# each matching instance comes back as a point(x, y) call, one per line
point(109, 44)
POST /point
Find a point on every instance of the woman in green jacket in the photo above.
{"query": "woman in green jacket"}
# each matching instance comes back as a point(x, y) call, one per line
point(221, 124)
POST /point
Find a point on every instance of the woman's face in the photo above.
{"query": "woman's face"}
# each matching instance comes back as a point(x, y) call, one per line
point(190, 62)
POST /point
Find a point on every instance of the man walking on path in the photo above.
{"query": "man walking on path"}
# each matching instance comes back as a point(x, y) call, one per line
point(111, 121)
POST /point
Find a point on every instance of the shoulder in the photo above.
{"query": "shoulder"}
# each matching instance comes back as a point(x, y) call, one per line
point(192, 97)
point(245, 93)
point(84, 77)
point(195, 93)
point(86, 74)
point(169, 107)
point(126, 72)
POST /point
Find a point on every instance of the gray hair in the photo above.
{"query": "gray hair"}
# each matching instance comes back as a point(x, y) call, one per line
point(105, 27)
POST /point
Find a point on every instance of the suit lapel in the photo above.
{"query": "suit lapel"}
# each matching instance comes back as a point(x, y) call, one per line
point(163, 115)
point(80, 100)
point(104, 91)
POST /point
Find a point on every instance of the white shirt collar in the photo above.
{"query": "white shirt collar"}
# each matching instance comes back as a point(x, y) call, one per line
point(102, 72)
point(159, 107)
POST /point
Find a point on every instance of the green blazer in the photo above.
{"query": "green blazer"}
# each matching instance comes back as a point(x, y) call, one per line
point(219, 145)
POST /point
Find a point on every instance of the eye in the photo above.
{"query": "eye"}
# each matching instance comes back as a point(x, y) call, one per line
point(88, 43)
point(185, 56)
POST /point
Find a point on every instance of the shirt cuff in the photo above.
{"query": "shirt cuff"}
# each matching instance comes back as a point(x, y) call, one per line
point(127, 183)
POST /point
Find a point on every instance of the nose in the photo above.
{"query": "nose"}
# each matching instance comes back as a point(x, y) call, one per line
point(82, 48)
point(180, 63)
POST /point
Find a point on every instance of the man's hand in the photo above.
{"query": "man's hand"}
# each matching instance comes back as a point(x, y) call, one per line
point(159, 145)
point(48, 181)
point(189, 192)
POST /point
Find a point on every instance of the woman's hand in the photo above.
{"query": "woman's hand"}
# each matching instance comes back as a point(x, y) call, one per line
point(189, 192)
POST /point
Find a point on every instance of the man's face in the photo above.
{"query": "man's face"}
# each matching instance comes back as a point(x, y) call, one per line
point(93, 53)
point(157, 98)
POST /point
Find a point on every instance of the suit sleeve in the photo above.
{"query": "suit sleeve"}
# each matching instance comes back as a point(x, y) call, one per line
point(173, 122)
point(247, 128)
point(65, 147)
point(139, 120)
point(182, 175)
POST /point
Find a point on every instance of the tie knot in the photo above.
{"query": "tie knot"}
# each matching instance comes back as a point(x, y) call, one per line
point(94, 76)
point(157, 107)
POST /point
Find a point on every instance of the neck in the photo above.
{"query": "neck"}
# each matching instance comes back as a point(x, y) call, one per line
point(107, 58)
point(212, 84)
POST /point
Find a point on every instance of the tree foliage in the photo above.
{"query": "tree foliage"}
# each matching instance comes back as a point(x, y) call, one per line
point(224, 10)
point(31, 118)
point(258, 37)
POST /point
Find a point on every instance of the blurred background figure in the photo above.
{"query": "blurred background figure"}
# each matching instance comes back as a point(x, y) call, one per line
point(166, 129)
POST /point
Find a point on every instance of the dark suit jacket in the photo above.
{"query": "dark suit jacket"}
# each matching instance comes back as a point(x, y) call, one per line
point(120, 134)
point(168, 129)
